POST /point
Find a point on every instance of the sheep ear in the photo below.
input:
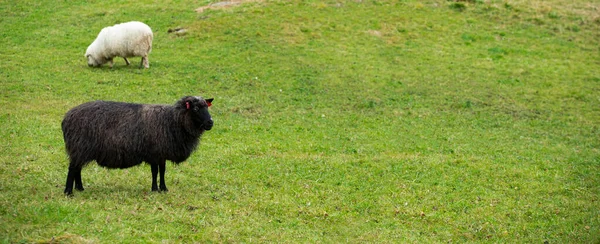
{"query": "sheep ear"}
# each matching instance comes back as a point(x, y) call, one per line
point(186, 103)
point(209, 101)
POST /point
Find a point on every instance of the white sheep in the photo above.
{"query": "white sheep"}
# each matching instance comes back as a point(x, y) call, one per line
point(131, 39)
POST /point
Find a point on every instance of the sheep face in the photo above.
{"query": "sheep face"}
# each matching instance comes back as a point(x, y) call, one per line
point(197, 107)
point(95, 61)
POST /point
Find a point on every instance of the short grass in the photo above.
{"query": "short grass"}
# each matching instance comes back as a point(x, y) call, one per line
point(336, 121)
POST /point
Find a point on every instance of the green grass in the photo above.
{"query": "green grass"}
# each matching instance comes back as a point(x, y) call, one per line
point(335, 121)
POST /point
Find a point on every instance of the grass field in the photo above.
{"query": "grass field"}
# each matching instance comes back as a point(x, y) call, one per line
point(335, 121)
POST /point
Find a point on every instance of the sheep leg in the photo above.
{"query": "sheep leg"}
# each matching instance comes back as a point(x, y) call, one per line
point(78, 183)
point(74, 176)
point(70, 180)
point(162, 167)
point(154, 167)
point(145, 62)
point(126, 61)
point(110, 63)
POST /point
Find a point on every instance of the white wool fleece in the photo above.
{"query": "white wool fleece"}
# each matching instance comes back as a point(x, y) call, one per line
point(131, 39)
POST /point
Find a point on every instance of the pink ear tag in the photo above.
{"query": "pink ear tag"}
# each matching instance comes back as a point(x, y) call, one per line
point(187, 105)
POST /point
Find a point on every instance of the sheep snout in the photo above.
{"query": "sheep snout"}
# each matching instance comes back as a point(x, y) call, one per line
point(208, 125)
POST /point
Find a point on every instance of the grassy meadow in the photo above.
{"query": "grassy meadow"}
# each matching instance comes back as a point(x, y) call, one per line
point(354, 121)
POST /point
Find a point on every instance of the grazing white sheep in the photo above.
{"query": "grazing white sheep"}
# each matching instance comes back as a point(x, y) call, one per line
point(131, 39)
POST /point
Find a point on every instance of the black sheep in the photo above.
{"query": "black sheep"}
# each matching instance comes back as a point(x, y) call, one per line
point(122, 135)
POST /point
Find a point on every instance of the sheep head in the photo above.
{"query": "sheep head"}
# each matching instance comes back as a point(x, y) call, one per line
point(197, 109)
